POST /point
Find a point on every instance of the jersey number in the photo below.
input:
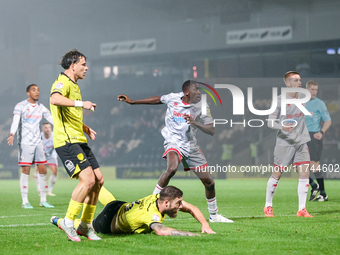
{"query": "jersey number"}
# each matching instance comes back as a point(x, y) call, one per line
point(129, 206)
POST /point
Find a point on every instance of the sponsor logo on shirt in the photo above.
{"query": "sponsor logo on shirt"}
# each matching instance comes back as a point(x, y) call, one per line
point(59, 85)
point(296, 115)
point(32, 118)
point(178, 117)
point(155, 217)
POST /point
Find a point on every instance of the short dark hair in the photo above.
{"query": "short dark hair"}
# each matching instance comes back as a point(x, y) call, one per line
point(170, 193)
point(30, 86)
point(71, 57)
point(289, 73)
point(45, 123)
point(311, 82)
point(186, 85)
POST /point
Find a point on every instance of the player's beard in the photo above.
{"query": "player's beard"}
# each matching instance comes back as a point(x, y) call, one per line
point(171, 213)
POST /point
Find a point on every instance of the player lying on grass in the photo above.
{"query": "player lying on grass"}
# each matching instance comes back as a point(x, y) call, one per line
point(143, 215)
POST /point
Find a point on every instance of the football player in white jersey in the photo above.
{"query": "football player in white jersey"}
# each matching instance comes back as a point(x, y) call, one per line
point(26, 120)
point(291, 146)
point(182, 120)
point(51, 156)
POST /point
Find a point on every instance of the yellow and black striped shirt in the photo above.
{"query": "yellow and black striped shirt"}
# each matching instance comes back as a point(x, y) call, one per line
point(68, 121)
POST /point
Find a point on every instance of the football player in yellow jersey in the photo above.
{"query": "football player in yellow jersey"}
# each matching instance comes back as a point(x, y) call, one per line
point(144, 215)
point(71, 145)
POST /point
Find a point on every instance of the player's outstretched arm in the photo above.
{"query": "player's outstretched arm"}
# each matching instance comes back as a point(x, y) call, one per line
point(198, 215)
point(14, 128)
point(60, 100)
point(162, 230)
point(90, 132)
point(150, 100)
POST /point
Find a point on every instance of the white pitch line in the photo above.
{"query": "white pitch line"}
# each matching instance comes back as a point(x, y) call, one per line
point(33, 215)
point(231, 217)
point(24, 225)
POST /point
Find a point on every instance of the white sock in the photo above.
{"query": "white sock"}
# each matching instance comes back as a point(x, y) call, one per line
point(51, 182)
point(69, 223)
point(36, 180)
point(271, 188)
point(24, 187)
point(212, 206)
point(42, 186)
point(157, 189)
point(84, 224)
point(302, 192)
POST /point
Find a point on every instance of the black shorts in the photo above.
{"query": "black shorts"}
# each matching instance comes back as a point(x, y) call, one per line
point(76, 157)
point(315, 148)
point(102, 223)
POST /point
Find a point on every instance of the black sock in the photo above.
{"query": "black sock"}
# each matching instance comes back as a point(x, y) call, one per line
point(319, 179)
point(312, 183)
point(323, 193)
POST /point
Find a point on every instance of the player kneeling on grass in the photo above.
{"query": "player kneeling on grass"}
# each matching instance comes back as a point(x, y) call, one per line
point(144, 215)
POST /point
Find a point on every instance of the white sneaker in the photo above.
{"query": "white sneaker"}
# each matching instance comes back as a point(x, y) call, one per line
point(50, 194)
point(219, 218)
point(88, 232)
point(70, 232)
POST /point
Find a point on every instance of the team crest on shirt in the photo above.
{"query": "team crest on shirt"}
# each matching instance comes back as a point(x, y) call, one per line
point(80, 156)
point(69, 165)
point(59, 85)
point(175, 104)
point(155, 217)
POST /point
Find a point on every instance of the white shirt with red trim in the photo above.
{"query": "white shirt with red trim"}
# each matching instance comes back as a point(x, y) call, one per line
point(29, 125)
point(176, 130)
point(294, 115)
point(48, 146)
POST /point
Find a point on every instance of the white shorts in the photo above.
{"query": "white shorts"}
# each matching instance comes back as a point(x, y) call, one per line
point(287, 155)
point(31, 154)
point(52, 161)
point(195, 161)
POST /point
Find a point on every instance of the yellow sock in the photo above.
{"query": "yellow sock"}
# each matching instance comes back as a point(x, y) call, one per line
point(105, 196)
point(76, 223)
point(88, 213)
point(73, 210)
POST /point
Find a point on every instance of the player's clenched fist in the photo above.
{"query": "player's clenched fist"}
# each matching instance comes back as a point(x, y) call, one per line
point(125, 98)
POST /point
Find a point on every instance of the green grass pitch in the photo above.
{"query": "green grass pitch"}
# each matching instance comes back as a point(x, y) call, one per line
point(29, 231)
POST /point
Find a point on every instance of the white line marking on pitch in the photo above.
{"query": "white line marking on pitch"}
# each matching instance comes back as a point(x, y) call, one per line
point(33, 215)
point(24, 225)
point(258, 216)
point(232, 217)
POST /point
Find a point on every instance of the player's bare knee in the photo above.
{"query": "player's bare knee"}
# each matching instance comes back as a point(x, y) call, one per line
point(89, 183)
